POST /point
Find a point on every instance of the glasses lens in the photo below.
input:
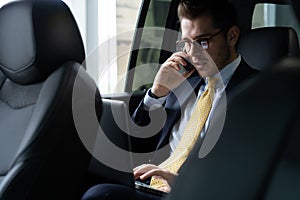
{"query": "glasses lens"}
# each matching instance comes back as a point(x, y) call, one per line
point(204, 44)
point(182, 46)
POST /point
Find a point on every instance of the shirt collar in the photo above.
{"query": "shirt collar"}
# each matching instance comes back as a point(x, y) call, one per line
point(226, 73)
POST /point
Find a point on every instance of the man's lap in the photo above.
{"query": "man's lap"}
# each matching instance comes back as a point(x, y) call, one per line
point(116, 192)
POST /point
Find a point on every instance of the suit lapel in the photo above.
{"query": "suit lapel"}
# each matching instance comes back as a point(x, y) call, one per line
point(243, 72)
point(189, 89)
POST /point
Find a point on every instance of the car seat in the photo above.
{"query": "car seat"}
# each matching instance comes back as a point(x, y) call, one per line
point(263, 47)
point(257, 155)
point(41, 58)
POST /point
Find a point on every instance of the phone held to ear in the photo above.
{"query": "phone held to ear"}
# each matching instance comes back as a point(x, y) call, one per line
point(185, 69)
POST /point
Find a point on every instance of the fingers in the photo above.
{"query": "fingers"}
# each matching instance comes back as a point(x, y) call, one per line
point(153, 172)
point(146, 171)
point(140, 170)
point(179, 61)
point(165, 174)
point(175, 60)
point(170, 74)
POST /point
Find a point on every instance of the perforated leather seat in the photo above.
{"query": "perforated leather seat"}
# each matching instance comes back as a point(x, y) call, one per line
point(263, 47)
point(41, 51)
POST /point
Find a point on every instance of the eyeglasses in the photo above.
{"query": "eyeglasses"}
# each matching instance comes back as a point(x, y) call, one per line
point(189, 4)
point(185, 45)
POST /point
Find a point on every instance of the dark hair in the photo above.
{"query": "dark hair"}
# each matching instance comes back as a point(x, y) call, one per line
point(222, 12)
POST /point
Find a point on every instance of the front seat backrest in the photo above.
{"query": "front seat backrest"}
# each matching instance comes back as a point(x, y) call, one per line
point(41, 51)
point(257, 155)
point(263, 47)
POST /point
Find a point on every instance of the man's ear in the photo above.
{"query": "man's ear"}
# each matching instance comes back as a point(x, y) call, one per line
point(233, 35)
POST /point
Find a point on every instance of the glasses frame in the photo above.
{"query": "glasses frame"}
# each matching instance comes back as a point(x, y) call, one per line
point(204, 43)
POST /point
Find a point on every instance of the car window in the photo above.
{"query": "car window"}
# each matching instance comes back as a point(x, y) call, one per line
point(266, 15)
point(149, 48)
point(109, 43)
point(107, 29)
point(3, 2)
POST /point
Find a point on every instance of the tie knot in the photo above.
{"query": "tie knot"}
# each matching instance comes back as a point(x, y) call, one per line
point(211, 82)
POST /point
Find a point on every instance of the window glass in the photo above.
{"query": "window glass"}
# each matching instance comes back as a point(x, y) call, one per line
point(150, 46)
point(3, 2)
point(266, 15)
point(116, 30)
point(107, 28)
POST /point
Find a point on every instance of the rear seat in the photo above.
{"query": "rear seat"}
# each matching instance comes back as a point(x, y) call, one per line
point(263, 47)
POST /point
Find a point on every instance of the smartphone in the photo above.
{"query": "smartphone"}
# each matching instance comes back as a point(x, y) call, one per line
point(185, 69)
point(147, 188)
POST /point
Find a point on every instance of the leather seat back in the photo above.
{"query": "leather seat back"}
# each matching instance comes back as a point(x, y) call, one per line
point(263, 47)
point(41, 56)
point(257, 155)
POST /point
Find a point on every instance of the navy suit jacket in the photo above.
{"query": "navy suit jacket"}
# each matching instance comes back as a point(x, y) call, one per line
point(172, 108)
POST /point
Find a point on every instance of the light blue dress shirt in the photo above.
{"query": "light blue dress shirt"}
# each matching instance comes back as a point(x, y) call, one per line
point(178, 129)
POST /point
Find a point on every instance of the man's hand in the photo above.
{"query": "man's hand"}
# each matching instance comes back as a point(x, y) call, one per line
point(146, 171)
point(168, 78)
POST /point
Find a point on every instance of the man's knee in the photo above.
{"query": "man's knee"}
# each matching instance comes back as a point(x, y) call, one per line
point(108, 192)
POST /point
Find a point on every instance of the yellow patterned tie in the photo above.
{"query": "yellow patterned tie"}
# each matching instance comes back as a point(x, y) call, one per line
point(191, 133)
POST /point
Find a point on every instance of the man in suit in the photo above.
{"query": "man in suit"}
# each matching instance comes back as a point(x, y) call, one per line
point(208, 43)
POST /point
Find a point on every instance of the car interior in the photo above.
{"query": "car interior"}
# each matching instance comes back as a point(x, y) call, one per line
point(41, 152)
point(270, 43)
point(246, 163)
point(52, 108)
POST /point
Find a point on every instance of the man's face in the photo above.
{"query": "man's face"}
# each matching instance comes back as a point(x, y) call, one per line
point(216, 56)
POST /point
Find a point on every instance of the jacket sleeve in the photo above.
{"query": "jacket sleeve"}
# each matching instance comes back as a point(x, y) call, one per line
point(146, 128)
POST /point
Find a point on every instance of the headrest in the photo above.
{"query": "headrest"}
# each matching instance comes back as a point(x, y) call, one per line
point(296, 8)
point(36, 37)
point(263, 47)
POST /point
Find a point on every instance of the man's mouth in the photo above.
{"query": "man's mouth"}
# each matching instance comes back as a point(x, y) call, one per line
point(200, 64)
point(197, 62)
